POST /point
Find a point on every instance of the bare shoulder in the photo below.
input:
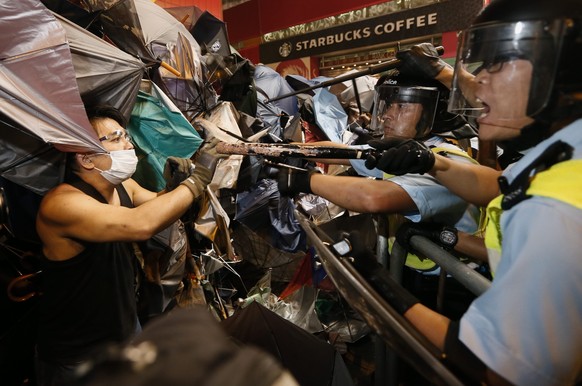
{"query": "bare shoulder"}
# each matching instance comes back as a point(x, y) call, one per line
point(57, 216)
point(61, 201)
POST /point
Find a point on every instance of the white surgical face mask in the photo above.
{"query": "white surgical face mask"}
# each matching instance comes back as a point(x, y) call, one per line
point(123, 165)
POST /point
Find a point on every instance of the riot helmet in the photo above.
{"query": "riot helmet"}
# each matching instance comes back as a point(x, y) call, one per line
point(405, 106)
point(539, 43)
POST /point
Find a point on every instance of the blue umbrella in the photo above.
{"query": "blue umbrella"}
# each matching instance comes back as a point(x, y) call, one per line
point(269, 84)
point(330, 116)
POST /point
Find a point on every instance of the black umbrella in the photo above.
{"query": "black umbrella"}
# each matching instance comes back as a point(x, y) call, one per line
point(312, 361)
point(210, 33)
point(184, 347)
point(184, 78)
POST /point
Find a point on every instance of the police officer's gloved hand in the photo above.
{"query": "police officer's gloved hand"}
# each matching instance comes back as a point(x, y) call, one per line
point(292, 181)
point(379, 278)
point(443, 235)
point(204, 166)
point(421, 60)
point(176, 170)
point(400, 156)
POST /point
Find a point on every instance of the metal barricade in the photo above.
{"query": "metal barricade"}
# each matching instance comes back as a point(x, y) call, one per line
point(398, 334)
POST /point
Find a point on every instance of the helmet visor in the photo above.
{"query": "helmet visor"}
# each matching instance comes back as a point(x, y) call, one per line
point(486, 50)
point(409, 111)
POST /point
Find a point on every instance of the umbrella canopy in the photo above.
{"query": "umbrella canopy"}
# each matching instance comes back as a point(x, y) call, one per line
point(159, 26)
point(75, 13)
point(183, 347)
point(189, 90)
point(330, 116)
point(159, 130)
point(312, 361)
point(186, 15)
point(172, 43)
point(104, 74)
point(50, 115)
point(121, 25)
point(37, 79)
point(210, 33)
point(358, 91)
point(269, 84)
point(41, 109)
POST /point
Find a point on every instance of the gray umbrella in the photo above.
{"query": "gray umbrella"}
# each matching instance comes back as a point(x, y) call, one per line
point(38, 95)
point(46, 64)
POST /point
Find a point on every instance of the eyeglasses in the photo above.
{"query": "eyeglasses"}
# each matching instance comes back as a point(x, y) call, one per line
point(494, 65)
point(116, 136)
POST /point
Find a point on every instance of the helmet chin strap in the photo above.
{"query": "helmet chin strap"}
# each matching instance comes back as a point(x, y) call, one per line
point(528, 137)
point(546, 122)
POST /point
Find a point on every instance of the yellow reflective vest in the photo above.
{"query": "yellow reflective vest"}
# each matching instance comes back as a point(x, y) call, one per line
point(556, 182)
point(395, 220)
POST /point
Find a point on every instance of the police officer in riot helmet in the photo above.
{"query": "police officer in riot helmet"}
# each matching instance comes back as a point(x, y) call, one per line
point(399, 96)
point(517, 73)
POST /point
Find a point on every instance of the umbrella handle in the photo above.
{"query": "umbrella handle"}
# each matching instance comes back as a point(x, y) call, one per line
point(21, 281)
point(171, 69)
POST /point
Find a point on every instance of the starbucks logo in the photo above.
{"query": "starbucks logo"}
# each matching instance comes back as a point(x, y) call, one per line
point(285, 50)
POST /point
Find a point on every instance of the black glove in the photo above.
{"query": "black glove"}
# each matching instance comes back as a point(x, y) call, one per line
point(176, 170)
point(400, 156)
point(443, 235)
point(421, 59)
point(378, 277)
point(292, 181)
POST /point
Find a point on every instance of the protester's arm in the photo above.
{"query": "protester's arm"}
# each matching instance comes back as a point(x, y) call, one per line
point(69, 213)
point(138, 194)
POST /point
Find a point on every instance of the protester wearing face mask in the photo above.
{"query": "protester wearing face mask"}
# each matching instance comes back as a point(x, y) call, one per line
point(86, 226)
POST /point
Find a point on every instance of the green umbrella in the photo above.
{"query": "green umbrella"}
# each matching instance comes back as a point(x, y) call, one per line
point(159, 130)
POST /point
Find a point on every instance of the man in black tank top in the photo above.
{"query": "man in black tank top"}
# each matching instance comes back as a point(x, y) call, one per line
point(86, 226)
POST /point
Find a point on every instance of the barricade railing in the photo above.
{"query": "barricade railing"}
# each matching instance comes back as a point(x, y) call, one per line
point(398, 334)
point(464, 274)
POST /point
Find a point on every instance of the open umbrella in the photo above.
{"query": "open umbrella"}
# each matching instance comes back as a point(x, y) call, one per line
point(159, 130)
point(38, 88)
point(185, 80)
point(104, 73)
point(120, 23)
point(330, 116)
point(210, 33)
point(158, 26)
point(312, 361)
point(269, 84)
point(183, 347)
point(187, 15)
point(358, 91)
point(40, 106)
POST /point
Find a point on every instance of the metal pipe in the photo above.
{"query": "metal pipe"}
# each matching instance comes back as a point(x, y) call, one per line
point(472, 280)
point(389, 65)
